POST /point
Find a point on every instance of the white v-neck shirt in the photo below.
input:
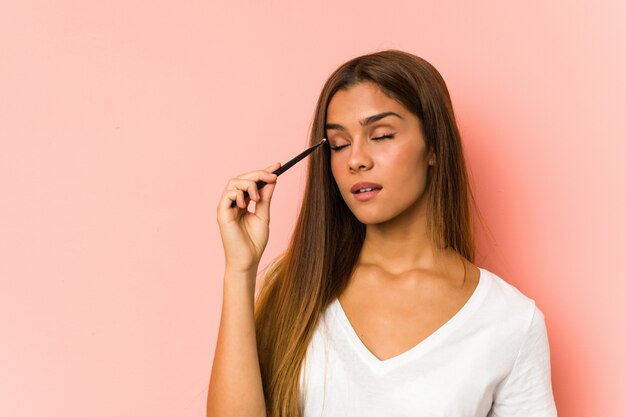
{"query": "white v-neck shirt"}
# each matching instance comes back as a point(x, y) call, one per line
point(491, 359)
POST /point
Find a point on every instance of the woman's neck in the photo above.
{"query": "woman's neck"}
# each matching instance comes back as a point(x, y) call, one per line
point(402, 245)
point(397, 250)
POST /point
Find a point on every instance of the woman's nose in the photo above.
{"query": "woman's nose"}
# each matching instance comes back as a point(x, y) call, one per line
point(359, 156)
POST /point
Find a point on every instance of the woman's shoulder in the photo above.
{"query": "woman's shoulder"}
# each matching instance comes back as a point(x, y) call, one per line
point(506, 314)
point(505, 299)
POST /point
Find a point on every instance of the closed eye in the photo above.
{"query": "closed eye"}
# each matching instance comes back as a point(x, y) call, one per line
point(385, 136)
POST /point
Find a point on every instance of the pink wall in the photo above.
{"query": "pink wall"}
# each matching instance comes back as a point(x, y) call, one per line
point(120, 123)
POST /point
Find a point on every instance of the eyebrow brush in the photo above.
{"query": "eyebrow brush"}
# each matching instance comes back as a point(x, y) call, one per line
point(283, 168)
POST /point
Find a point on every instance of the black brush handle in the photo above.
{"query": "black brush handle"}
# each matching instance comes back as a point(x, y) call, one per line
point(292, 162)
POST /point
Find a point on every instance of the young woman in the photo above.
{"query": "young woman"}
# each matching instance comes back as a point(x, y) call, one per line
point(375, 308)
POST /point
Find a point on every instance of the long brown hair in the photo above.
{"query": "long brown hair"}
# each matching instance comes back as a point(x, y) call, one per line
point(328, 238)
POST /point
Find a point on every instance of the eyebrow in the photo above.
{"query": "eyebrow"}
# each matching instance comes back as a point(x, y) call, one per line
point(364, 122)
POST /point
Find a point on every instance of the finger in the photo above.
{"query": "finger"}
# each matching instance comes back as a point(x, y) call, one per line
point(252, 187)
point(240, 201)
point(249, 182)
point(262, 208)
point(249, 186)
point(259, 174)
point(228, 198)
point(273, 167)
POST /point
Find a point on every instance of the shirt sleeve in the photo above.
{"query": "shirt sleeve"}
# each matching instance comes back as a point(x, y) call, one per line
point(527, 390)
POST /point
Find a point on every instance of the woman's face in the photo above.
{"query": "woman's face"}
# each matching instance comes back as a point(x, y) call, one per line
point(357, 121)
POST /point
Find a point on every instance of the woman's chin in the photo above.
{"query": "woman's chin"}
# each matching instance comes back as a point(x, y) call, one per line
point(371, 215)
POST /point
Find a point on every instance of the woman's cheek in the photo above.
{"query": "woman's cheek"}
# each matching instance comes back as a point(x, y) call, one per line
point(336, 175)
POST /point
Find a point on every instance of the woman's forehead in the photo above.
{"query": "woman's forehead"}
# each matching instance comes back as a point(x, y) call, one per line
point(360, 102)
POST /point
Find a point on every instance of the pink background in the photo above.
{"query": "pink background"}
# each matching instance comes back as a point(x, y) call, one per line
point(121, 123)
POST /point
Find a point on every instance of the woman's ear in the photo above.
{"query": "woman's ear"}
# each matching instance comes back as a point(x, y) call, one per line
point(432, 159)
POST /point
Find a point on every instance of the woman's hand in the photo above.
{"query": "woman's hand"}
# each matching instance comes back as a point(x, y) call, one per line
point(244, 233)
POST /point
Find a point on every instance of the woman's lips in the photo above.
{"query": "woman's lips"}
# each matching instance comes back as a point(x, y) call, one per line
point(362, 184)
point(375, 189)
point(367, 195)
